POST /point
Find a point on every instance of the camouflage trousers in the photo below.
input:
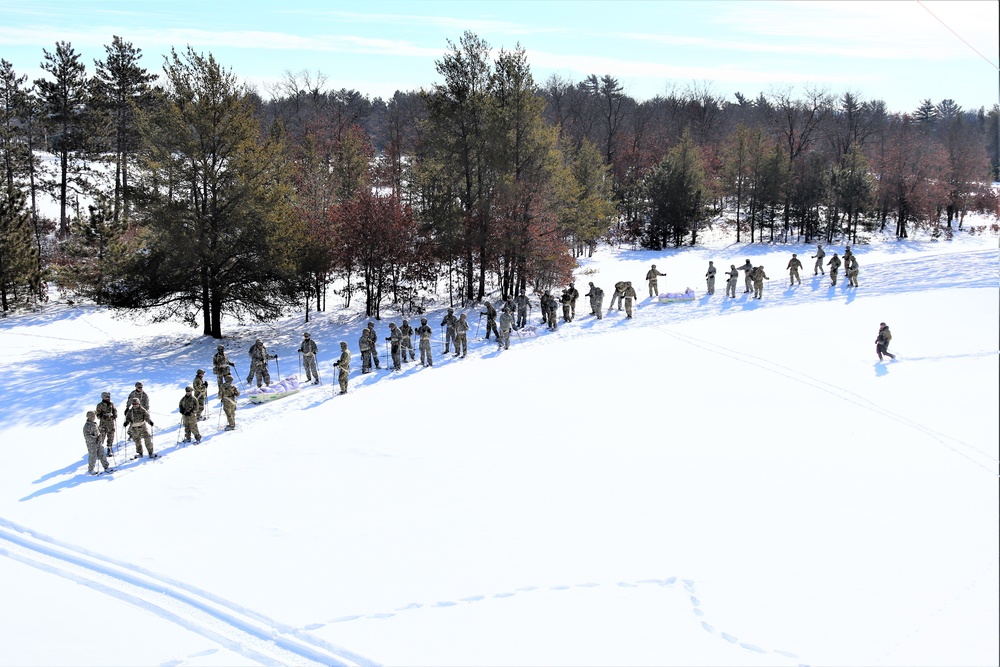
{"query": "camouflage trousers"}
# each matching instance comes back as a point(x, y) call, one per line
point(394, 352)
point(749, 282)
point(259, 371)
point(309, 363)
point(793, 277)
point(425, 352)
point(597, 308)
point(731, 288)
point(95, 453)
point(106, 433)
point(449, 338)
point(491, 325)
point(503, 338)
point(567, 315)
point(758, 289)
point(140, 434)
point(522, 317)
point(190, 423)
point(461, 344)
point(819, 266)
point(550, 319)
point(653, 289)
point(833, 276)
point(710, 282)
point(366, 361)
point(201, 396)
point(229, 407)
point(407, 344)
point(342, 379)
point(616, 297)
point(628, 306)
point(852, 277)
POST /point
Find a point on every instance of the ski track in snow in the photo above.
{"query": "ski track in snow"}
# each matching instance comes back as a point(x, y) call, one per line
point(241, 630)
point(686, 590)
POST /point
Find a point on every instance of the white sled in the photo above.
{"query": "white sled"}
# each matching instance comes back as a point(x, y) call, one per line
point(286, 387)
point(675, 297)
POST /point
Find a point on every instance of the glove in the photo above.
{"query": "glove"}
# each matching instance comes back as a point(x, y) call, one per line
point(299, 350)
point(232, 364)
point(152, 424)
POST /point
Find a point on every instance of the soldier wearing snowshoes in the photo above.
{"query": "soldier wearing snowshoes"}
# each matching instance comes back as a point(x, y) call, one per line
point(491, 319)
point(710, 278)
point(258, 363)
point(140, 394)
point(343, 366)
point(449, 332)
point(544, 306)
point(848, 256)
point(395, 339)
point(758, 281)
point(834, 265)
point(406, 331)
point(747, 277)
point(425, 333)
point(462, 336)
point(566, 300)
point(574, 294)
point(882, 341)
point(794, 264)
point(188, 407)
point(92, 436)
point(373, 339)
point(734, 276)
point(852, 272)
point(308, 350)
point(200, 392)
point(505, 322)
point(820, 254)
point(651, 276)
point(365, 348)
point(228, 397)
point(629, 297)
point(551, 308)
point(523, 304)
point(617, 296)
point(596, 295)
point(136, 418)
point(221, 365)
point(107, 413)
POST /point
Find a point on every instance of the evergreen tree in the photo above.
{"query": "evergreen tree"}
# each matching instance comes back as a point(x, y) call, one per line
point(220, 234)
point(20, 279)
point(121, 89)
point(64, 102)
point(674, 196)
point(13, 148)
point(92, 252)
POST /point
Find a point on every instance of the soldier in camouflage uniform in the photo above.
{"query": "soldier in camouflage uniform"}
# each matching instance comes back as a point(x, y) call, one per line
point(258, 363)
point(747, 277)
point(107, 413)
point(617, 296)
point(343, 367)
point(523, 304)
point(848, 256)
point(188, 407)
point(365, 348)
point(574, 294)
point(566, 300)
point(449, 333)
point(228, 397)
point(596, 295)
point(491, 319)
point(505, 322)
point(794, 264)
point(834, 265)
point(308, 350)
point(92, 436)
point(882, 341)
point(200, 392)
point(820, 254)
point(140, 394)
point(629, 297)
point(852, 272)
point(462, 336)
point(373, 339)
point(138, 417)
point(425, 333)
point(220, 366)
point(710, 278)
point(544, 305)
point(395, 339)
point(551, 308)
point(734, 276)
point(407, 332)
point(651, 277)
point(758, 281)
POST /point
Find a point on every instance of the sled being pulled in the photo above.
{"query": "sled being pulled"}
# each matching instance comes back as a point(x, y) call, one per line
point(674, 297)
point(286, 387)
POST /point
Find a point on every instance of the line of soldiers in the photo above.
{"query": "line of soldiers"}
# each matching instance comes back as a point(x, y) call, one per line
point(99, 430)
point(755, 276)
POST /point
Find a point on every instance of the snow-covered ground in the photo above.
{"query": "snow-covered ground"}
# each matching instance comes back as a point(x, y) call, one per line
point(717, 482)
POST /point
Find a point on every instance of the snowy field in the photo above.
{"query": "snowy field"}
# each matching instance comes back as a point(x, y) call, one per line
point(722, 482)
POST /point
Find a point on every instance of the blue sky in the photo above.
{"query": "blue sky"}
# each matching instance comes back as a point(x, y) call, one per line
point(895, 51)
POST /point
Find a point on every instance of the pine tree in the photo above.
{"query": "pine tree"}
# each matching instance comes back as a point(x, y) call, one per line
point(19, 276)
point(675, 196)
point(92, 251)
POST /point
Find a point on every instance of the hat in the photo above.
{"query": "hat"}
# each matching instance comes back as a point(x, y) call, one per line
point(188, 388)
point(91, 415)
point(201, 371)
point(343, 343)
point(105, 394)
point(259, 341)
point(881, 324)
point(135, 401)
point(222, 347)
point(423, 320)
point(306, 334)
point(138, 385)
point(451, 310)
point(229, 379)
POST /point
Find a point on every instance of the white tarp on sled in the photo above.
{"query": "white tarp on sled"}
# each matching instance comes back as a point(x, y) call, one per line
point(289, 385)
point(673, 297)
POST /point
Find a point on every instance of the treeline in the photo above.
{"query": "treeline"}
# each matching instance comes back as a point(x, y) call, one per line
point(205, 199)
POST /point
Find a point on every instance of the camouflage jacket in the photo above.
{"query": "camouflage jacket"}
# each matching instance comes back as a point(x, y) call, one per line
point(884, 336)
point(200, 387)
point(733, 275)
point(91, 434)
point(308, 346)
point(652, 273)
point(629, 292)
point(574, 294)
point(820, 254)
point(834, 263)
point(449, 320)
point(748, 267)
point(711, 272)
point(229, 392)
point(522, 302)
point(106, 411)
point(794, 264)
point(758, 274)
point(344, 363)
point(364, 344)
point(620, 286)
point(425, 332)
point(258, 355)
point(505, 321)
point(141, 395)
point(395, 336)
point(188, 405)
point(137, 416)
point(220, 363)
point(491, 312)
point(406, 330)
point(462, 326)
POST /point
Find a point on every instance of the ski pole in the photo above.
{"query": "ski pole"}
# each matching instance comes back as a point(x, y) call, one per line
point(239, 377)
point(478, 323)
point(299, 358)
point(277, 366)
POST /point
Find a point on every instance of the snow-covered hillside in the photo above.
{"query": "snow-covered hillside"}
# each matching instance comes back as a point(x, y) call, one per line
point(725, 481)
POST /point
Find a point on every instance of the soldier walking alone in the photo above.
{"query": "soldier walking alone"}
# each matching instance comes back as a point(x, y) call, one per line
point(793, 270)
point(834, 265)
point(882, 342)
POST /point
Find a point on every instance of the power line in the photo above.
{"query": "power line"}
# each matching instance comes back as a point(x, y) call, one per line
point(957, 35)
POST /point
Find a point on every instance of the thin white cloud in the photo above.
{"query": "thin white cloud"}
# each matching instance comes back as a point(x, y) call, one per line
point(454, 25)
